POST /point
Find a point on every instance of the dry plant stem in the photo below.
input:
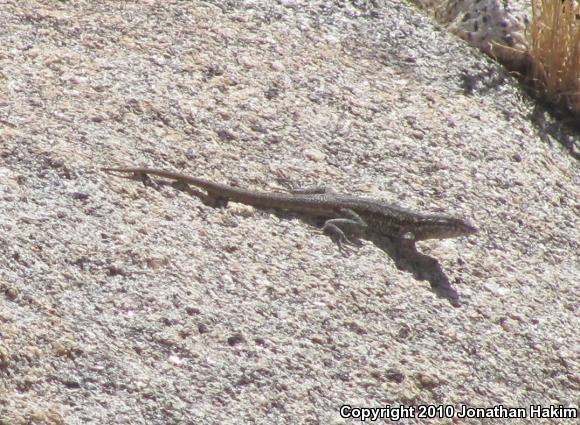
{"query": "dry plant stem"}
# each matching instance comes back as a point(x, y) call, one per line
point(555, 51)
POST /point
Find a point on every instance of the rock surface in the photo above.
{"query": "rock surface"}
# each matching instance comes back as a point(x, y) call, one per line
point(121, 303)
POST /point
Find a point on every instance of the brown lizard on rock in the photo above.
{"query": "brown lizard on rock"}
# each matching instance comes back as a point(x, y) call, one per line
point(344, 214)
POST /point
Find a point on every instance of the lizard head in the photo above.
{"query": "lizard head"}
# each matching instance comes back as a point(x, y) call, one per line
point(443, 227)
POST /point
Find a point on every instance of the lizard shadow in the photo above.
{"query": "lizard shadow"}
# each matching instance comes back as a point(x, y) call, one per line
point(403, 252)
point(423, 267)
point(405, 255)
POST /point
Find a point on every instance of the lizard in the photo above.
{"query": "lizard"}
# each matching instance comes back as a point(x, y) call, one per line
point(344, 214)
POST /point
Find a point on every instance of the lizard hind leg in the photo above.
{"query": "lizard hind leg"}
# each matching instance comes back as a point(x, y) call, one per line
point(338, 228)
point(145, 179)
point(216, 201)
point(337, 235)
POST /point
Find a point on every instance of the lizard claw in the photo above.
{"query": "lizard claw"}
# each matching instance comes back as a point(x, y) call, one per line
point(345, 249)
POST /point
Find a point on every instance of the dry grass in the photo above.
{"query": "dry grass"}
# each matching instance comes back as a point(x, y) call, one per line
point(554, 55)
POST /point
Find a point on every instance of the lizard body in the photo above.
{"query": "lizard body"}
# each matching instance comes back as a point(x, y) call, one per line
point(344, 213)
